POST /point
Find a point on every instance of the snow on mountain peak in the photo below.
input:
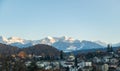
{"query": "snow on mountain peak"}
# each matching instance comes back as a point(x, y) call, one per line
point(72, 48)
point(48, 40)
point(101, 43)
point(62, 43)
point(15, 40)
point(70, 39)
point(49, 37)
point(64, 38)
point(3, 39)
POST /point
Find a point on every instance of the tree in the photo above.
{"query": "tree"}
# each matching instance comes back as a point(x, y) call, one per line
point(109, 48)
point(22, 54)
point(32, 67)
point(61, 55)
point(76, 61)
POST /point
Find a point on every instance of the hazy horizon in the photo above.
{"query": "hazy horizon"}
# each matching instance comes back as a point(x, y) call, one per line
point(81, 19)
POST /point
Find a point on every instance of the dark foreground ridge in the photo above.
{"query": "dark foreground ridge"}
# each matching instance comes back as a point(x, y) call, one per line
point(40, 49)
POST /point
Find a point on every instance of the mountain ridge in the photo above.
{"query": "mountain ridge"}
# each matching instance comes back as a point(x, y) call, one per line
point(40, 49)
point(62, 43)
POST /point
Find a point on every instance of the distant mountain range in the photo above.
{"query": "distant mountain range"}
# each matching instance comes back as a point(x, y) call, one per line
point(62, 43)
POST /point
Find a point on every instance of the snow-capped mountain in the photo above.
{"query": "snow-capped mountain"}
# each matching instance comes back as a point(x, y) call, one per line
point(101, 43)
point(62, 43)
point(3, 40)
point(48, 40)
point(117, 44)
point(15, 40)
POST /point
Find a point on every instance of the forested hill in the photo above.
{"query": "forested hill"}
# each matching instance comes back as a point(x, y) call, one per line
point(39, 49)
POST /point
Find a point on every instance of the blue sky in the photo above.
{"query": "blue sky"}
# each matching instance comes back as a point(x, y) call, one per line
point(80, 19)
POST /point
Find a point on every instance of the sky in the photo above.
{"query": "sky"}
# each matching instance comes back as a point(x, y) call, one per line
point(81, 19)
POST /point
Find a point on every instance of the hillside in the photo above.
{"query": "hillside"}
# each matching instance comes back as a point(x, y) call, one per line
point(7, 49)
point(39, 49)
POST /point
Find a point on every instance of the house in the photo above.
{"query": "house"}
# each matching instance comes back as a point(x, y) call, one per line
point(96, 60)
point(102, 67)
point(71, 58)
point(87, 68)
point(84, 64)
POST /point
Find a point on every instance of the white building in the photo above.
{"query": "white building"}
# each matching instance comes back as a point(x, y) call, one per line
point(84, 64)
point(105, 67)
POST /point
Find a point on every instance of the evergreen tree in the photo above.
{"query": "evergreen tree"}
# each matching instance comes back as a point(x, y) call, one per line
point(76, 61)
point(32, 67)
point(111, 49)
point(108, 48)
point(61, 55)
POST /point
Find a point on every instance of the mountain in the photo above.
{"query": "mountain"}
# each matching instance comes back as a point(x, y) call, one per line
point(7, 49)
point(41, 49)
point(3, 40)
point(64, 43)
point(101, 43)
point(116, 45)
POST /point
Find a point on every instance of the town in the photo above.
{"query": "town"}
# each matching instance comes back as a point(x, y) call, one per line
point(59, 35)
point(91, 61)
